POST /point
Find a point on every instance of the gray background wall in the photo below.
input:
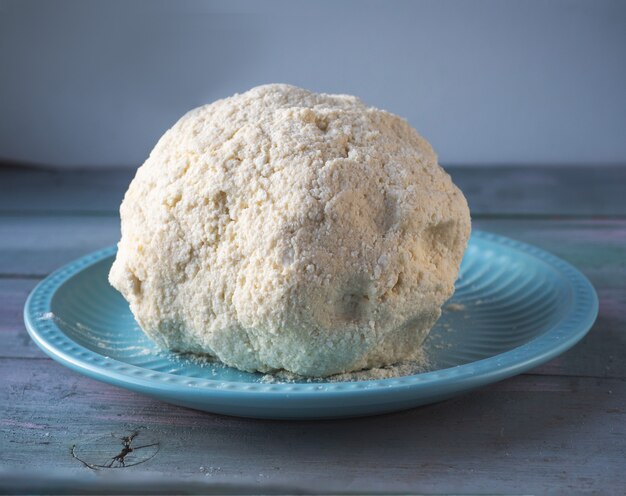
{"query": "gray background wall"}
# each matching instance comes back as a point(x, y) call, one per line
point(97, 83)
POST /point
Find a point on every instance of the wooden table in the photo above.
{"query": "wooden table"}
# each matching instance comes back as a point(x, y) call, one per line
point(559, 429)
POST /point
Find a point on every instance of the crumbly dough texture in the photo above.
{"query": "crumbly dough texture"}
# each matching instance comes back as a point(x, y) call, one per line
point(284, 229)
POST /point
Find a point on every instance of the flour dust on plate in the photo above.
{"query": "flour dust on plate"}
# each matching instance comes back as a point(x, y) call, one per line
point(515, 307)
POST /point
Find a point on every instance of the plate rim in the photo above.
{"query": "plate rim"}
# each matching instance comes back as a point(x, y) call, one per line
point(561, 336)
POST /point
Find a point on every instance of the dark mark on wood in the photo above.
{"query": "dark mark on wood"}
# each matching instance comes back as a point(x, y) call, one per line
point(127, 440)
point(115, 451)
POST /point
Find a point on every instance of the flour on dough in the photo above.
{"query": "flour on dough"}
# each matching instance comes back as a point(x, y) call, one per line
point(284, 229)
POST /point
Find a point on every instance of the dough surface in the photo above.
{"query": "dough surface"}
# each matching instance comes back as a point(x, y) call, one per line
point(283, 229)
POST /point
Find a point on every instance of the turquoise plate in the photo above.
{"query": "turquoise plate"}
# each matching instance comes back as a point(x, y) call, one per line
point(516, 307)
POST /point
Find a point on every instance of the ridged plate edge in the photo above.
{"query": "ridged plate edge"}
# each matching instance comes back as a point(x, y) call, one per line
point(562, 336)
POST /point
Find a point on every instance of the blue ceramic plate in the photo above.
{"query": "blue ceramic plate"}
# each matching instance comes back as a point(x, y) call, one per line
point(516, 307)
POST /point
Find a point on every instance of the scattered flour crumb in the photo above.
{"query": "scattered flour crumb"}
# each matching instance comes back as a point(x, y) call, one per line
point(455, 307)
point(209, 471)
point(201, 360)
point(46, 316)
point(409, 367)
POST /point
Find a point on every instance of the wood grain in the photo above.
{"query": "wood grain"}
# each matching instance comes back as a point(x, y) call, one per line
point(14, 340)
point(519, 191)
point(524, 435)
point(510, 190)
point(34, 246)
point(55, 191)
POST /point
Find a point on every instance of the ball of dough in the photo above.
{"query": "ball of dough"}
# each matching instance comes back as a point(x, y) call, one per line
point(284, 229)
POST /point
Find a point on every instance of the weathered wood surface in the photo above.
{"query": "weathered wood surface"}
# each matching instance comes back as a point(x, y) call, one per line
point(530, 434)
point(34, 246)
point(558, 429)
point(510, 190)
